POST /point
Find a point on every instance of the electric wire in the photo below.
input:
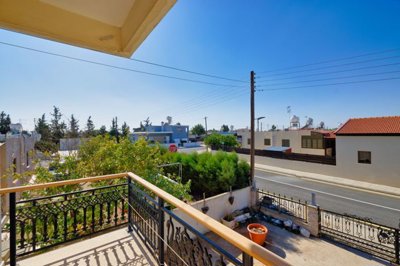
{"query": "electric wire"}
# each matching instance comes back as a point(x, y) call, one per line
point(186, 71)
point(329, 84)
point(118, 67)
point(330, 61)
point(334, 78)
point(334, 66)
point(194, 102)
point(329, 72)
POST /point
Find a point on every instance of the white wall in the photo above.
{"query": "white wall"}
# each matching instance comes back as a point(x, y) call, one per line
point(219, 206)
point(385, 158)
point(276, 140)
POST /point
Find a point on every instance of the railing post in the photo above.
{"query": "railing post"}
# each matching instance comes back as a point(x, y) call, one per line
point(397, 245)
point(13, 230)
point(161, 231)
point(247, 259)
point(130, 229)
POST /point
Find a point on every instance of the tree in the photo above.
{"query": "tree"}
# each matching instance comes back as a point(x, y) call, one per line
point(57, 126)
point(114, 131)
point(73, 130)
point(103, 130)
point(198, 130)
point(273, 128)
point(225, 128)
point(43, 128)
point(322, 125)
point(125, 130)
point(218, 141)
point(5, 122)
point(90, 130)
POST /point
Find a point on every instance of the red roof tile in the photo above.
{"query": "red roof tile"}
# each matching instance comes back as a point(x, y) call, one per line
point(388, 125)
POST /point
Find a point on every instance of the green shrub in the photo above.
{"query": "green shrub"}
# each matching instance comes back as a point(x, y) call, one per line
point(217, 141)
point(210, 173)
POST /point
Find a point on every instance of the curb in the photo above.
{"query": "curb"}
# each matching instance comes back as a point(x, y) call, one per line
point(384, 190)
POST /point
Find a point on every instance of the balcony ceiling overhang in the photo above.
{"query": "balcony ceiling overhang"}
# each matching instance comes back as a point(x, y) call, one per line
point(111, 26)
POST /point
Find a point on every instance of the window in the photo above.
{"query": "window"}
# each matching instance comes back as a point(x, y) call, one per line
point(285, 143)
point(312, 142)
point(364, 157)
point(267, 142)
point(248, 141)
point(27, 159)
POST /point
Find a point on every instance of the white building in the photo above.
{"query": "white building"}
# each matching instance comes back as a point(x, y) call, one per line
point(306, 141)
point(370, 147)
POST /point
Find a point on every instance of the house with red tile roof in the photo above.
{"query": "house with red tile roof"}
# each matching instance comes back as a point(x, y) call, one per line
point(370, 149)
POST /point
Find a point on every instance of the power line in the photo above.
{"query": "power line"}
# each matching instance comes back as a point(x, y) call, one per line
point(116, 67)
point(198, 99)
point(335, 78)
point(222, 100)
point(329, 84)
point(186, 71)
point(330, 61)
point(215, 99)
point(339, 65)
point(331, 72)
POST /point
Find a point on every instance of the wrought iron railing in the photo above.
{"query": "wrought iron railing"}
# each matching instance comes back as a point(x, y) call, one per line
point(283, 204)
point(180, 243)
point(48, 221)
point(361, 233)
point(40, 223)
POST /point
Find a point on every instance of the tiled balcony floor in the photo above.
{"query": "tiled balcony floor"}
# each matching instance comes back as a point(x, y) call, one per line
point(301, 251)
point(112, 248)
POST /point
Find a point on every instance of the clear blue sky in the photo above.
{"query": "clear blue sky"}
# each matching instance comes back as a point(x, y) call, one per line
point(227, 38)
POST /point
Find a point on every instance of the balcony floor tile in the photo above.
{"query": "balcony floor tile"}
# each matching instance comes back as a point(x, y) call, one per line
point(112, 248)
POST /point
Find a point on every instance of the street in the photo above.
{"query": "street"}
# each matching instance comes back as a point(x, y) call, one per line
point(380, 208)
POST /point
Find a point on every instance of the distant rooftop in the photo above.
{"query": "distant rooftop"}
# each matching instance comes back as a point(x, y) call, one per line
point(388, 125)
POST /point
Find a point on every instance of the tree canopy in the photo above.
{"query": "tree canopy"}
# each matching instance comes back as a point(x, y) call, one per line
point(5, 122)
point(198, 130)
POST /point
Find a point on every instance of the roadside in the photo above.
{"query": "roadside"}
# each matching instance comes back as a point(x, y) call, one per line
point(387, 190)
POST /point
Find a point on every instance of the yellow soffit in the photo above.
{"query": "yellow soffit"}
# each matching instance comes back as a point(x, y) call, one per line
point(116, 27)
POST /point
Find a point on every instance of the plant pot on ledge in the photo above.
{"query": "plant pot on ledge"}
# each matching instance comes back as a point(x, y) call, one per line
point(229, 221)
point(257, 232)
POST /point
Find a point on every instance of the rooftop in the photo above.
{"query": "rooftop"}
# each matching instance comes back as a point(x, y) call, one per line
point(388, 125)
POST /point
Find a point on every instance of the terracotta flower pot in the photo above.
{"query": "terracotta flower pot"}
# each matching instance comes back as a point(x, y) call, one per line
point(258, 233)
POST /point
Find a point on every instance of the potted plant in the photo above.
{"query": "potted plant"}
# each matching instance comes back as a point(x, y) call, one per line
point(257, 232)
point(229, 220)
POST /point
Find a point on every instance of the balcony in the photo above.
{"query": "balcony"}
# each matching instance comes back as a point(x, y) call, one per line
point(131, 222)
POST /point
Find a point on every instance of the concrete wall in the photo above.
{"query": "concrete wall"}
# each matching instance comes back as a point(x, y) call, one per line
point(219, 206)
point(71, 144)
point(349, 170)
point(276, 138)
point(385, 158)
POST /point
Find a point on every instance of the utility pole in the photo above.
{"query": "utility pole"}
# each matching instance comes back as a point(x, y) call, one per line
point(205, 119)
point(252, 118)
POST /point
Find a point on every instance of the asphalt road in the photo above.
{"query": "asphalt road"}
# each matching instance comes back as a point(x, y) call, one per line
point(383, 209)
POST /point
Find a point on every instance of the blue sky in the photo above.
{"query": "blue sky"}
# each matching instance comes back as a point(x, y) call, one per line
point(227, 38)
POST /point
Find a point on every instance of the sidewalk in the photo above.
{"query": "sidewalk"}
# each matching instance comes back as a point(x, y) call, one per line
point(332, 180)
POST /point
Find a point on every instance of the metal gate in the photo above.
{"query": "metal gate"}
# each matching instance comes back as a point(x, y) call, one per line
point(360, 233)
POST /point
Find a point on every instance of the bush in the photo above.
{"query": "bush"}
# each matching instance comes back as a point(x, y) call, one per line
point(210, 173)
point(218, 141)
point(46, 146)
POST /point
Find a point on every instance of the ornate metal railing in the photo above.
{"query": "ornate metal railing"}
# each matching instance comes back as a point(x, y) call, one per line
point(283, 204)
point(361, 233)
point(48, 221)
point(180, 243)
point(40, 223)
